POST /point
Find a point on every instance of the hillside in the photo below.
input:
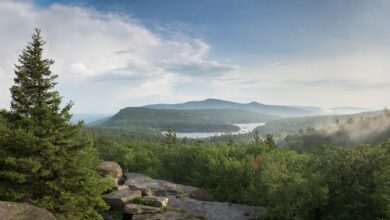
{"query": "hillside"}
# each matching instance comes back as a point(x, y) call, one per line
point(294, 125)
point(205, 120)
point(279, 110)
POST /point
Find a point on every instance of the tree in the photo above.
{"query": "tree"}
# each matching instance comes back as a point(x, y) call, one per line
point(270, 141)
point(170, 137)
point(256, 137)
point(43, 160)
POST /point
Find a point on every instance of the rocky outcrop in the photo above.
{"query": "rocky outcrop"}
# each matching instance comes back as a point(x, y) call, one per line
point(21, 211)
point(150, 186)
point(142, 197)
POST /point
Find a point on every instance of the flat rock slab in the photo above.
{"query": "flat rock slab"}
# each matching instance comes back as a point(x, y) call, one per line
point(21, 211)
point(136, 209)
point(150, 186)
point(215, 210)
point(118, 199)
point(170, 215)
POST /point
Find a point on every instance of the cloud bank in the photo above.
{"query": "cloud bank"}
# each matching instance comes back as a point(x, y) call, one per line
point(105, 61)
point(108, 61)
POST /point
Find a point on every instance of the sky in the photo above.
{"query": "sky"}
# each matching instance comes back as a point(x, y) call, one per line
point(113, 54)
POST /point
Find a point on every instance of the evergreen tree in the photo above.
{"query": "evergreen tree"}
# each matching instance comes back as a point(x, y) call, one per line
point(270, 141)
point(170, 137)
point(43, 159)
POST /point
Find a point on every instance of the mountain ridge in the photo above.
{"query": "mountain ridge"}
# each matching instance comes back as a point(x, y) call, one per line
point(277, 110)
point(194, 120)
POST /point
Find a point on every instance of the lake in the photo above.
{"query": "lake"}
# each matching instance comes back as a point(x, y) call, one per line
point(244, 128)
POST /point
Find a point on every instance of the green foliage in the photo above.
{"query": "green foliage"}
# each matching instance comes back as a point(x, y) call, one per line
point(142, 201)
point(170, 137)
point(43, 160)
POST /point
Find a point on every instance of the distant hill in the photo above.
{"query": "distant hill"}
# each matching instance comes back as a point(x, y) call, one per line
point(196, 120)
point(88, 117)
point(278, 110)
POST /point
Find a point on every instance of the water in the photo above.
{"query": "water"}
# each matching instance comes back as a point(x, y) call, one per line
point(244, 128)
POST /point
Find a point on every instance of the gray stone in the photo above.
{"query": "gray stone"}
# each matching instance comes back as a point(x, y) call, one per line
point(157, 200)
point(216, 210)
point(121, 187)
point(150, 186)
point(136, 209)
point(169, 215)
point(21, 211)
point(118, 199)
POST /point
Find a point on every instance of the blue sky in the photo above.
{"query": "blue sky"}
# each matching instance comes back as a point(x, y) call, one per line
point(326, 53)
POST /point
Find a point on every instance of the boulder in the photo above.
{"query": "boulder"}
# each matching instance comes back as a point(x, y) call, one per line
point(150, 186)
point(110, 169)
point(21, 211)
point(118, 199)
point(216, 210)
point(136, 209)
point(156, 200)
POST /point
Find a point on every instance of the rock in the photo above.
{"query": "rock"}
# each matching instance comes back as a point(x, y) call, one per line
point(150, 186)
point(118, 199)
point(110, 169)
point(121, 187)
point(21, 211)
point(201, 194)
point(169, 215)
point(156, 200)
point(136, 209)
point(216, 210)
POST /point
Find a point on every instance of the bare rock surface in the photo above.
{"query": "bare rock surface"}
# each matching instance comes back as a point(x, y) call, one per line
point(169, 215)
point(215, 210)
point(150, 186)
point(136, 209)
point(118, 199)
point(21, 211)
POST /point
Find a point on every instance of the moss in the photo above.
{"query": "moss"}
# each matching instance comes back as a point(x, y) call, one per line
point(142, 201)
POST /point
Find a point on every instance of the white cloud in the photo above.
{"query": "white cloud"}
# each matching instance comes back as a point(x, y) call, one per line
point(108, 61)
point(95, 47)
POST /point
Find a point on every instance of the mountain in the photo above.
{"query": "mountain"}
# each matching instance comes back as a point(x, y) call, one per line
point(278, 110)
point(88, 117)
point(195, 120)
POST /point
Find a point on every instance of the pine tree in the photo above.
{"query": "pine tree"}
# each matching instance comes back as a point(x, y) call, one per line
point(43, 159)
